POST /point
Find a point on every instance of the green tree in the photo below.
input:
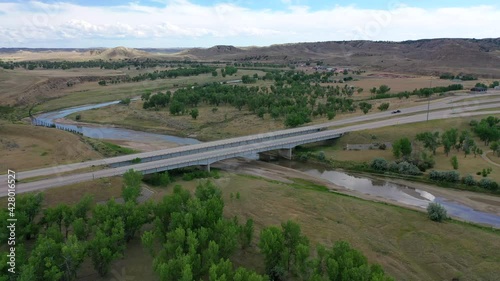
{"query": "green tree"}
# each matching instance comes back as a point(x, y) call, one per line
point(383, 89)
point(46, 259)
point(107, 245)
point(449, 139)
point(81, 209)
point(430, 140)
point(73, 254)
point(194, 113)
point(272, 246)
point(28, 206)
point(436, 212)
point(383, 106)
point(131, 189)
point(365, 107)
point(247, 234)
point(402, 147)
point(454, 162)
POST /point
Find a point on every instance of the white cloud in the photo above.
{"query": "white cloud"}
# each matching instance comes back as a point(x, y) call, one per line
point(181, 22)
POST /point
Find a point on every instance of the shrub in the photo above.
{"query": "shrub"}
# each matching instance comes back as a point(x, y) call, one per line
point(469, 180)
point(422, 160)
point(454, 162)
point(436, 212)
point(393, 166)
point(382, 146)
point(488, 184)
point(321, 156)
point(406, 168)
point(379, 164)
point(446, 176)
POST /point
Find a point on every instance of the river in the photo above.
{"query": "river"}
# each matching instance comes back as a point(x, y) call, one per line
point(394, 192)
point(376, 188)
point(104, 132)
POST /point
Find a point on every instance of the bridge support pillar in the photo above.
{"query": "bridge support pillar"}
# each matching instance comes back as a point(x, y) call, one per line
point(207, 167)
point(285, 153)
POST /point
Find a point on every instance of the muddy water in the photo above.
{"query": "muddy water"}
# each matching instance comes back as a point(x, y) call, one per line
point(394, 192)
point(109, 132)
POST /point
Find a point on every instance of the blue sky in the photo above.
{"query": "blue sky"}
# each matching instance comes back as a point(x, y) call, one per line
point(201, 23)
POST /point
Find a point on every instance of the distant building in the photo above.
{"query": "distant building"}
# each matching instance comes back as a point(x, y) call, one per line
point(479, 89)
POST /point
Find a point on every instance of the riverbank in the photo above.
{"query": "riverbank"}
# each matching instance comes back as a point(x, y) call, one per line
point(480, 202)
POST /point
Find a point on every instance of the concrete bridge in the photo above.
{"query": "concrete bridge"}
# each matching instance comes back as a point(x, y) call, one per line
point(207, 153)
point(284, 145)
point(144, 157)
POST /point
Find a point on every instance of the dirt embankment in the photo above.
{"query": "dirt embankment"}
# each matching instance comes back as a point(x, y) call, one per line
point(52, 88)
point(477, 201)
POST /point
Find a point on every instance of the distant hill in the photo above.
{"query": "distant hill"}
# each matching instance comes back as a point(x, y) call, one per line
point(479, 56)
point(426, 56)
point(118, 53)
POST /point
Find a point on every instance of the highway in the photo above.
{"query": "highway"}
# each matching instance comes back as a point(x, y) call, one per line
point(450, 102)
point(207, 157)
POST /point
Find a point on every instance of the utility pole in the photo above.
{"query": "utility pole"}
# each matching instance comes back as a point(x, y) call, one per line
point(429, 100)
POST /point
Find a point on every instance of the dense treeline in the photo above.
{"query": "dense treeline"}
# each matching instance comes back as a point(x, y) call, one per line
point(293, 97)
point(190, 240)
point(116, 64)
point(414, 163)
point(463, 77)
point(103, 64)
point(422, 92)
point(173, 73)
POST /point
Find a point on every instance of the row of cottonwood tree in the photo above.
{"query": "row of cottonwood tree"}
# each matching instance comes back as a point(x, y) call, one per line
point(189, 239)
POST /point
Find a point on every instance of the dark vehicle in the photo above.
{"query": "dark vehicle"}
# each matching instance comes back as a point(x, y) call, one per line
point(396, 111)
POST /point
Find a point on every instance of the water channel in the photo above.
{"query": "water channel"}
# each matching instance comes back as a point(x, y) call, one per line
point(108, 132)
point(394, 192)
point(377, 188)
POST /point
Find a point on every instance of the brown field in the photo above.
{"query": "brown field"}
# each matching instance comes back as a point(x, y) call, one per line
point(91, 92)
point(25, 147)
point(406, 83)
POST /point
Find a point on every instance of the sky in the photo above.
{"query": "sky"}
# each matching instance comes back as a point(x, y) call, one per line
point(203, 23)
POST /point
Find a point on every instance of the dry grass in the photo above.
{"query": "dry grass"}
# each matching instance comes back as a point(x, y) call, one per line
point(225, 122)
point(404, 242)
point(25, 147)
point(91, 92)
point(405, 83)
point(493, 157)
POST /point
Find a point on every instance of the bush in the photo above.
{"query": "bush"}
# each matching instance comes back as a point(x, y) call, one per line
point(321, 156)
point(488, 184)
point(422, 160)
point(469, 180)
point(454, 162)
point(436, 212)
point(78, 117)
point(382, 146)
point(446, 176)
point(406, 168)
point(393, 166)
point(379, 164)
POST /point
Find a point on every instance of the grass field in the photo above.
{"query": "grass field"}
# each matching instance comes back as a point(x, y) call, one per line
point(467, 165)
point(89, 93)
point(400, 83)
point(405, 242)
point(25, 147)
